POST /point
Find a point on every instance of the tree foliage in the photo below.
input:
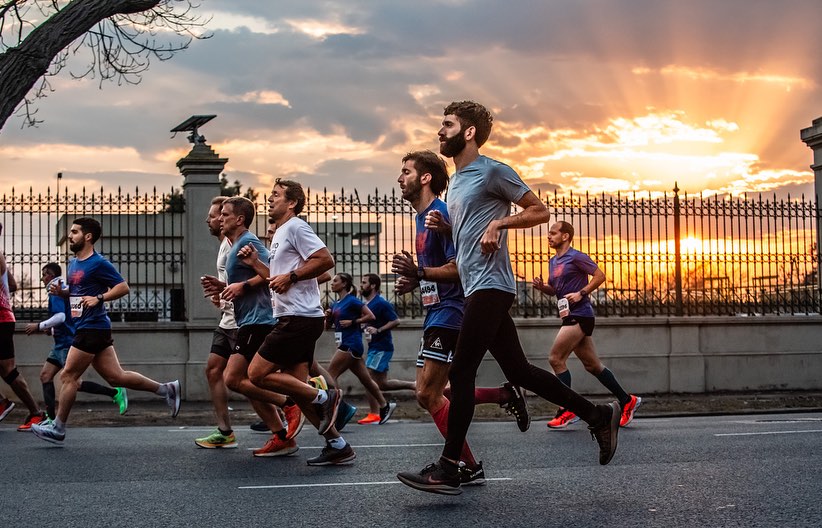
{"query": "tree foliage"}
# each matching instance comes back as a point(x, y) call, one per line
point(108, 40)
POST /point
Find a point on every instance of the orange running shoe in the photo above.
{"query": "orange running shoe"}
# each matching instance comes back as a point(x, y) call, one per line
point(563, 418)
point(295, 419)
point(370, 419)
point(629, 409)
point(32, 419)
point(276, 447)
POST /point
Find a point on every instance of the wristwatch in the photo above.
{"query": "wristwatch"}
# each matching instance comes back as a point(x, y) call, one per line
point(420, 273)
point(293, 277)
point(100, 297)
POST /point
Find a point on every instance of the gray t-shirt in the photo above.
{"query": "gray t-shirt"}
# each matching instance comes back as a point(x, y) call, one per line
point(481, 192)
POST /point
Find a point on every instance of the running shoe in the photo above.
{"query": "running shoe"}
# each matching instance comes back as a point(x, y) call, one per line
point(370, 418)
point(472, 475)
point(121, 399)
point(217, 440)
point(48, 432)
point(387, 411)
point(173, 397)
point(330, 456)
point(294, 419)
point(344, 415)
point(629, 409)
point(441, 477)
point(260, 427)
point(276, 447)
point(6, 406)
point(327, 411)
point(31, 420)
point(607, 432)
point(563, 419)
point(516, 406)
point(318, 382)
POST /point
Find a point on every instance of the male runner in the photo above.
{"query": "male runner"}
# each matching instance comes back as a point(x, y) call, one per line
point(568, 273)
point(61, 327)
point(297, 258)
point(380, 343)
point(422, 179)
point(252, 309)
point(93, 281)
point(479, 202)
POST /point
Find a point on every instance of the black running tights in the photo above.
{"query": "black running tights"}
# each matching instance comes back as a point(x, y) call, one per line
point(487, 325)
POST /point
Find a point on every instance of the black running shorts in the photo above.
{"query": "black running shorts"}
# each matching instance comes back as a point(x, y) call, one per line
point(586, 324)
point(293, 340)
point(7, 340)
point(249, 339)
point(437, 344)
point(93, 340)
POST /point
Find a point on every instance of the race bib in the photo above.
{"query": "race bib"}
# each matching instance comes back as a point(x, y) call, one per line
point(76, 303)
point(338, 338)
point(564, 307)
point(430, 293)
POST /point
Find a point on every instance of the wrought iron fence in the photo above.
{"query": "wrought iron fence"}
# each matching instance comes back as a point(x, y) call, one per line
point(663, 255)
point(142, 236)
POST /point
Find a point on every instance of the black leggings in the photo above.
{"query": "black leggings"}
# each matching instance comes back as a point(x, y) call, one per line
point(487, 325)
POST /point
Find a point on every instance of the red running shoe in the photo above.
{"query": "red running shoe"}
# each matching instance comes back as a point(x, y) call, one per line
point(629, 409)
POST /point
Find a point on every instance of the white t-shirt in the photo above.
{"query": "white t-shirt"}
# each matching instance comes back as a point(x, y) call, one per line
point(227, 307)
point(293, 243)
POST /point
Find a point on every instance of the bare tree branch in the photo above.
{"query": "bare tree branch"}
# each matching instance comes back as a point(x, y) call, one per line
point(117, 37)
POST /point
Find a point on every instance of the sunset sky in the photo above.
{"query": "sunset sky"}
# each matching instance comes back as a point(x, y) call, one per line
point(588, 95)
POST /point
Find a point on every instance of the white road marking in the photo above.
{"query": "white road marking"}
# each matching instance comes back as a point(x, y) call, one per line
point(337, 484)
point(770, 433)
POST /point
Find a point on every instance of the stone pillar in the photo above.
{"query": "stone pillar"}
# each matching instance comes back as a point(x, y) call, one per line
point(201, 169)
point(812, 137)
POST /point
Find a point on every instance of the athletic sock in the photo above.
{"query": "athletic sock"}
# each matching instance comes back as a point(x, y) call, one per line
point(162, 390)
point(95, 388)
point(280, 434)
point(225, 433)
point(49, 397)
point(441, 420)
point(606, 377)
point(322, 396)
point(489, 395)
point(337, 443)
point(59, 426)
point(565, 377)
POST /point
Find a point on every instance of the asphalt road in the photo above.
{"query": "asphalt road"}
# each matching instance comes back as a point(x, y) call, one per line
point(717, 471)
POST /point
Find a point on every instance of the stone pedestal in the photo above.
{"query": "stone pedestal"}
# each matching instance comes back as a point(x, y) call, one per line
point(201, 169)
point(812, 136)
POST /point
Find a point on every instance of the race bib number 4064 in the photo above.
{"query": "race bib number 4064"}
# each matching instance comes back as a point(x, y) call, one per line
point(76, 303)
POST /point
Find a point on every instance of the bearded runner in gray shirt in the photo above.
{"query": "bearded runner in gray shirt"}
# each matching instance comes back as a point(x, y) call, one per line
point(479, 202)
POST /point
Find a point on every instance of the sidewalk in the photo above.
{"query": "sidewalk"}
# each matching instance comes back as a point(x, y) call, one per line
point(155, 412)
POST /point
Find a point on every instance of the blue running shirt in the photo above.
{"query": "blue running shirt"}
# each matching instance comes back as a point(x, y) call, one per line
point(253, 307)
point(63, 333)
point(384, 313)
point(92, 276)
point(348, 308)
point(434, 250)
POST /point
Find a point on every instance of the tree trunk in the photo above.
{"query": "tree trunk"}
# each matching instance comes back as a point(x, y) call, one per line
point(23, 65)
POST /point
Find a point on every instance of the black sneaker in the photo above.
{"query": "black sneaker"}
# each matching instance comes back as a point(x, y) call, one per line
point(606, 433)
point(441, 477)
point(516, 406)
point(333, 457)
point(472, 475)
point(387, 411)
point(328, 411)
point(259, 427)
